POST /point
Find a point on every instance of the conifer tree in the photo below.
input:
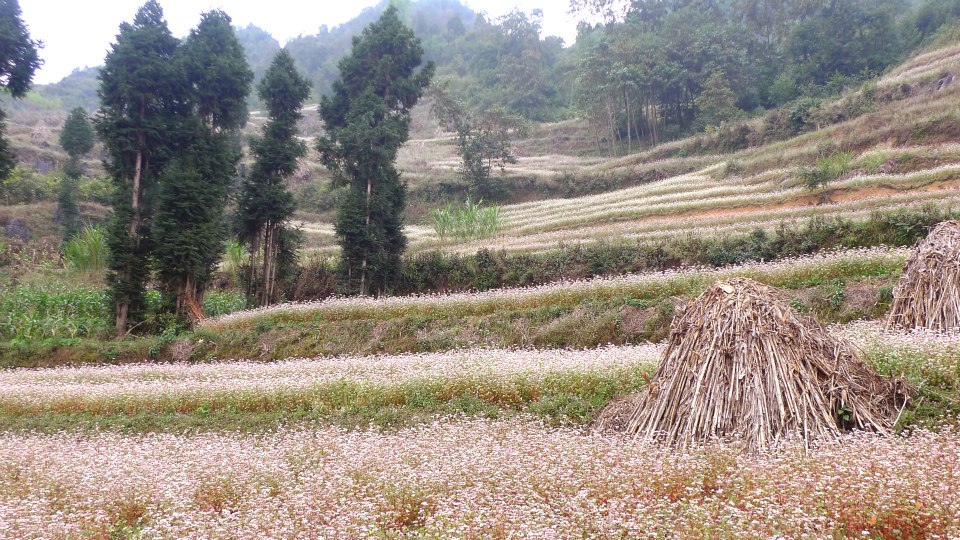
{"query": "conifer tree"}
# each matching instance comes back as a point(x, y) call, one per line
point(189, 228)
point(77, 136)
point(77, 140)
point(19, 59)
point(265, 205)
point(140, 125)
point(367, 119)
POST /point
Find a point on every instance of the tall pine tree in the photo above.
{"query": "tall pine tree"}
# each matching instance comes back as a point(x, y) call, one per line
point(194, 189)
point(140, 125)
point(367, 119)
point(19, 59)
point(265, 205)
point(77, 140)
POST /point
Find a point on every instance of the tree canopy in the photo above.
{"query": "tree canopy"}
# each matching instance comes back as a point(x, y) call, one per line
point(77, 137)
point(19, 60)
point(265, 205)
point(367, 119)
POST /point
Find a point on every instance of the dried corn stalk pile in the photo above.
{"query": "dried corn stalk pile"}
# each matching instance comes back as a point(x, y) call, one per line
point(928, 292)
point(741, 364)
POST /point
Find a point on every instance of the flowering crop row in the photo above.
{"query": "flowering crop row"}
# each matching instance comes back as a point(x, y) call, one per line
point(471, 479)
point(503, 377)
point(785, 272)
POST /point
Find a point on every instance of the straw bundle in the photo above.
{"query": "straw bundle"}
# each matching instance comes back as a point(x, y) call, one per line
point(741, 364)
point(927, 294)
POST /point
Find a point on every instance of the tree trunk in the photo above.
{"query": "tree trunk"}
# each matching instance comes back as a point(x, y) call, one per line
point(626, 104)
point(123, 309)
point(612, 128)
point(269, 250)
point(363, 264)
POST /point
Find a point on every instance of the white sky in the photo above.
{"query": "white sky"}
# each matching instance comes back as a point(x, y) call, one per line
point(77, 34)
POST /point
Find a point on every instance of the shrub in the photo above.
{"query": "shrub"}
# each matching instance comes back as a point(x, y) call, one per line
point(828, 169)
point(98, 189)
point(25, 187)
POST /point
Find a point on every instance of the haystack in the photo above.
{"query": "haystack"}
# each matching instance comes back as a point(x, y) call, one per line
point(741, 364)
point(927, 294)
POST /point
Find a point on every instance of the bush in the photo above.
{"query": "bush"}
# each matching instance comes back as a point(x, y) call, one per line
point(25, 187)
point(828, 169)
point(98, 189)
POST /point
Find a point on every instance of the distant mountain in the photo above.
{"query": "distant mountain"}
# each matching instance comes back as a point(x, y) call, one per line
point(502, 62)
point(79, 89)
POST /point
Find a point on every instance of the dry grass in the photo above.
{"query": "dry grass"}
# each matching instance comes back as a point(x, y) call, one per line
point(928, 292)
point(741, 364)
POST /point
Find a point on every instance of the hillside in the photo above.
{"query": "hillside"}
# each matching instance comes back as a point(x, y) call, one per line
point(897, 140)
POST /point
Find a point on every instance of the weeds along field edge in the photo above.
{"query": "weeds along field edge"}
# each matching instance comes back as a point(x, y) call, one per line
point(789, 273)
point(470, 479)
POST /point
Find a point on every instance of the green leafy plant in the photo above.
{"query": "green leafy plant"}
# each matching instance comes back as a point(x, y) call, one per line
point(235, 257)
point(31, 313)
point(467, 222)
point(87, 251)
point(828, 169)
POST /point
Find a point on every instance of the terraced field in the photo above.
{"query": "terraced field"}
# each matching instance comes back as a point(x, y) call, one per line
point(518, 465)
point(904, 153)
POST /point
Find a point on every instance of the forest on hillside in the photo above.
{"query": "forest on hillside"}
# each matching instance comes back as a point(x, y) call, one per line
point(649, 71)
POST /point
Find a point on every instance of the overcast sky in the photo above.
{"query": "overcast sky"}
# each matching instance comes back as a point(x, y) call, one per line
point(78, 34)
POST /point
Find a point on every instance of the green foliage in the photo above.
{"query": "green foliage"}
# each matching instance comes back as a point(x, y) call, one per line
point(265, 206)
point(828, 169)
point(235, 257)
point(194, 188)
point(34, 313)
point(67, 209)
point(217, 73)
point(79, 89)
point(87, 251)
point(483, 141)
point(77, 136)
point(98, 189)
point(467, 222)
point(23, 186)
point(434, 272)
point(141, 97)
point(367, 119)
point(19, 59)
point(170, 114)
point(216, 303)
point(717, 103)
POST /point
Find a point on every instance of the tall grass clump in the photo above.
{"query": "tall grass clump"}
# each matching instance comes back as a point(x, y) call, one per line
point(828, 169)
point(235, 257)
point(87, 251)
point(470, 221)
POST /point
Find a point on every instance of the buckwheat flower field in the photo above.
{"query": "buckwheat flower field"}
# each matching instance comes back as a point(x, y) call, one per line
point(303, 383)
point(470, 479)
